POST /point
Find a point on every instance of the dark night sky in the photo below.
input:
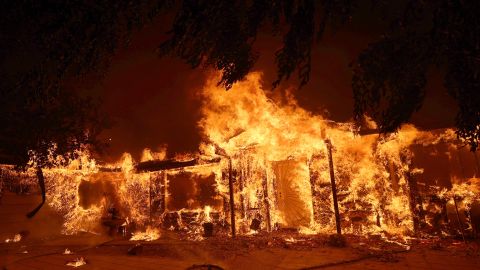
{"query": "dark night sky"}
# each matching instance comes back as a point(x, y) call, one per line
point(153, 101)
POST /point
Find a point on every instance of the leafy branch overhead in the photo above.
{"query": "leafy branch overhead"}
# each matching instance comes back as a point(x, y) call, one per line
point(60, 39)
point(389, 76)
point(42, 45)
point(221, 33)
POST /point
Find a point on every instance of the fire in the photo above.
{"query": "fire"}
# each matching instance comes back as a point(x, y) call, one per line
point(77, 262)
point(267, 161)
point(15, 239)
point(245, 118)
point(150, 234)
point(283, 147)
point(207, 211)
point(279, 153)
point(148, 154)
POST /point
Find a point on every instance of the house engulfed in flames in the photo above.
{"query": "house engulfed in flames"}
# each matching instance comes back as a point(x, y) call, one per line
point(268, 166)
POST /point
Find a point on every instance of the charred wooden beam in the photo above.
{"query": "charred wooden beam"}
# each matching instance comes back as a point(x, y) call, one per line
point(241, 185)
point(444, 212)
point(160, 165)
point(225, 208)
point(41, 183)
point(415, 199)
point(460, 225)
point(392, 175)
point(266, 202)
point(334, 187)
point(366, 132)
point(150, 199)
point(231, 191)
point(163, 193)
point(413, 191)
point(416, 203)
point(110, 169)
point(313, 177)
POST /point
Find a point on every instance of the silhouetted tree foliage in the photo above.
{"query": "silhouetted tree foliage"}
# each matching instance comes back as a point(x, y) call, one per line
point(221, 33)
point(39, 124)
point(42, 44)
point(52, 40)
point(45, 43)
point(389, 76)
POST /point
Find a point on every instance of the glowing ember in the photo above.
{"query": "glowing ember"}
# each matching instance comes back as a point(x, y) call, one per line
point(15, 239)
point(150, 234)
point(67, 251)
point(290, 240)
point(77, 262)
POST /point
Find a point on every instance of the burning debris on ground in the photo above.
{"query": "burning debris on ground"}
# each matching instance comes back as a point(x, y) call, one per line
point(16, 238)
point(77, 262)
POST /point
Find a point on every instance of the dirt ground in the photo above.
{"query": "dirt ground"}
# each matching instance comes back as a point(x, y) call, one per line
point(43, 247)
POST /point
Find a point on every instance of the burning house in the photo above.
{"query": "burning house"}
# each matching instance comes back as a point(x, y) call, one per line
point(268, 166)
point(240, 134)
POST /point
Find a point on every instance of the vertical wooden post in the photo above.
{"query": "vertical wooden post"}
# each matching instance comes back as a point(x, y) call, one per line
point(41, 183)
point(334, 186)
point(150, 196)
point(265, 200)
point(416, 201)
point(163, 192)
point(413, 194)
point(241, 185)
point(313, 188)
point(460, 226)
point(444, 210)
point(232, 202)
point(393, 177)
point(225, 209)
